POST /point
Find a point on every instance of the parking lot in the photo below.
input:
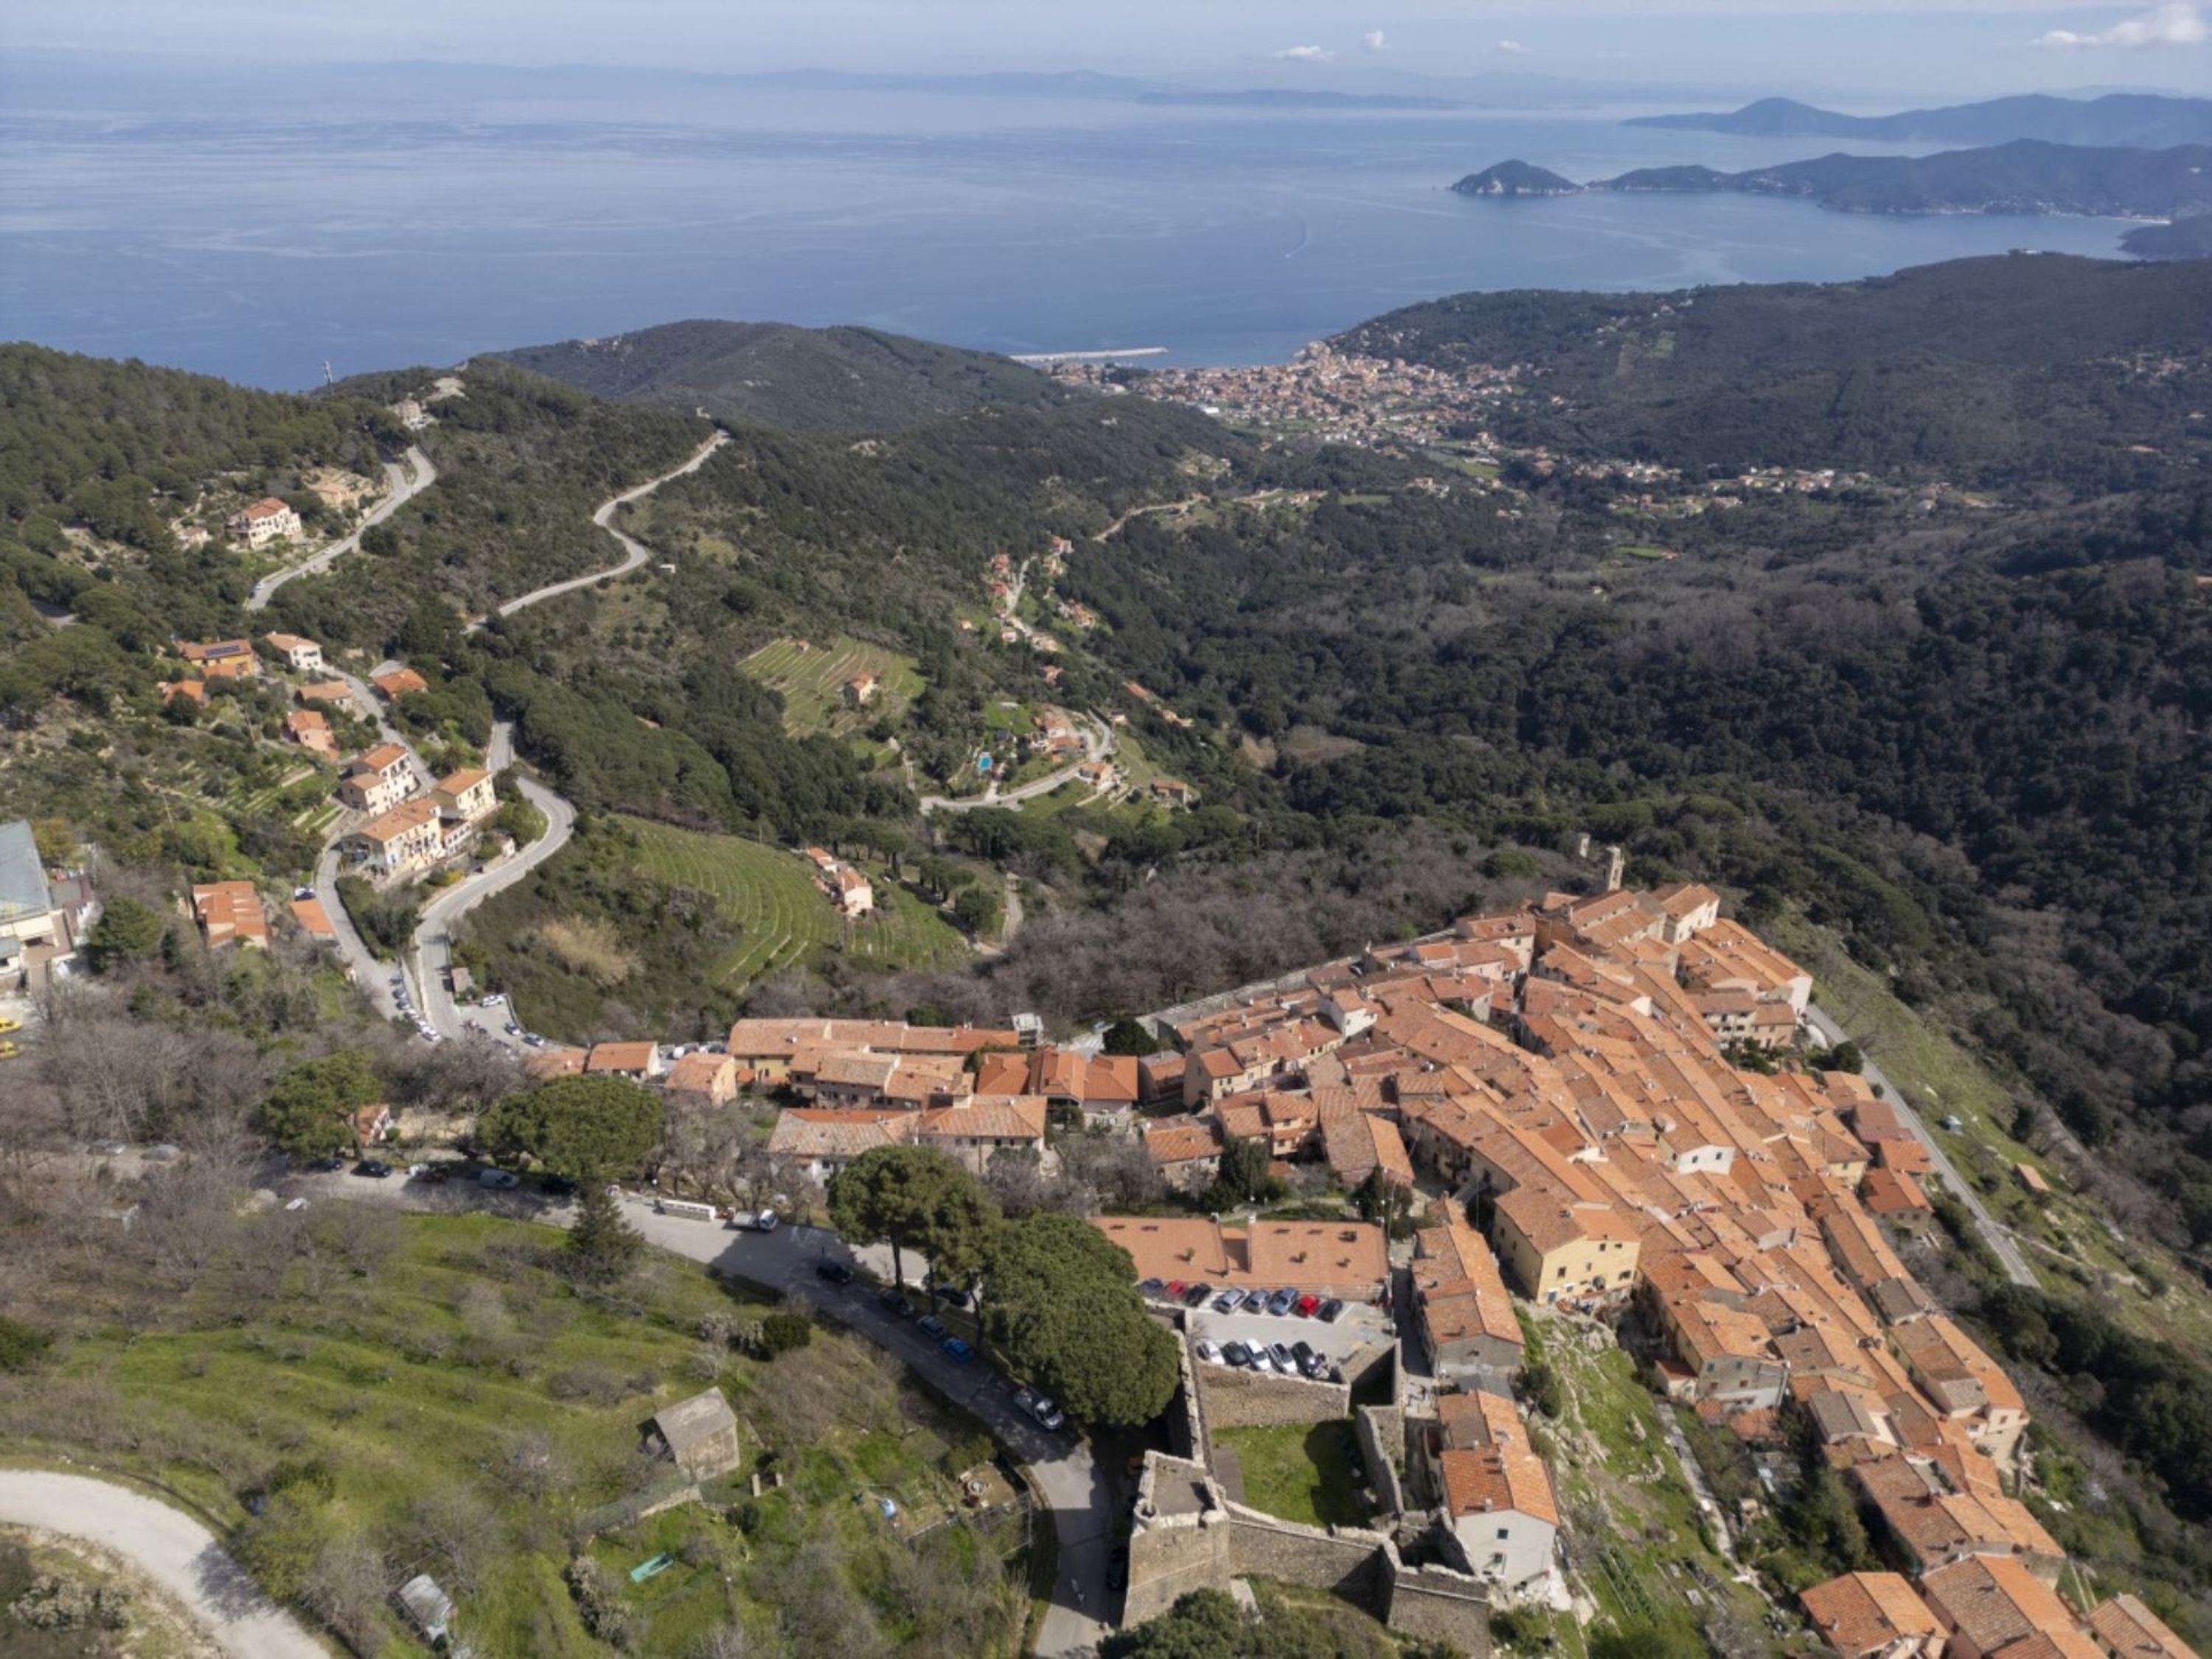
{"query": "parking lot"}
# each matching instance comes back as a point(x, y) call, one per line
point(1360, 1327)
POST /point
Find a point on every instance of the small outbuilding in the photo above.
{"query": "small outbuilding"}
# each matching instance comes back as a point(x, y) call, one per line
point(699, 1435)
point(428, 1608)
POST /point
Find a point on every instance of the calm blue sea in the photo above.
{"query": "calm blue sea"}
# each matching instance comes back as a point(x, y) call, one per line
point(259, 251)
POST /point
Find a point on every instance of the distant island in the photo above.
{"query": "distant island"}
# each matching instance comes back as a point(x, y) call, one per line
point(2024, 177)
point(1514, 179)
point(2189, 238)
point(2141, 121)
point(1296, 98)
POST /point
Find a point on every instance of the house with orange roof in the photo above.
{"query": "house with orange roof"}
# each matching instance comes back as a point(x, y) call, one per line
point(258, 523)
point(1186, 1151)
point(1727, 1355)
point(406, 837)
point(221, 660)
point(303, 656)
point(819, 1141)
point(378, 778)
point(1993, 1605)
point(1358, 1144)
point(1346, 1259)
point(308, 729)
point(1502, 1512)
point(701, 1081)
point(1559, 1249)
point(2132, 1630)
point(976, 1130)
point(543, 1065)
point(1467, 1321)
point(336, 692)
point(313, 920)
point(398, 683)
point(230, 913)
point(637, 1060)
point(1873, 1615)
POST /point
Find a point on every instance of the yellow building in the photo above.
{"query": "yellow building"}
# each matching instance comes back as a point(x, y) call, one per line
point(1558, 1247)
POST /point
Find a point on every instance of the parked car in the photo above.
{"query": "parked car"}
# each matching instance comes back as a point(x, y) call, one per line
point(958, 1352)
point(1175, 1288)
point(1209, 1353)
point(321, 1165)
point(1260, 1361)
point(495, 999)
point(1307, 1305)
point(1050, 1417)
point(835, 1272)
point(1151, 1286)
point(513, 1029)
point(1285, 1361)
point(374, 1168)
point(950, 1295)
point(1310, 1362)
point(1330, 1309)
point(1228, 1301)
point(1196, 1295)
point(1282, 1302)
point(895, 1303)
point(1236, 1353)
point(930, 1326)
point(500, 1179)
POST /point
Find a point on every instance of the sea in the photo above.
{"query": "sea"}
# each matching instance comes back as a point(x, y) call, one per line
point(272, 251)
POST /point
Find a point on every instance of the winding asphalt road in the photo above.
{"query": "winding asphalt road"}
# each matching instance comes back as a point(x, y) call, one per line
point(2000, 1242)
point(1066, 1474)
point(169, 1547)
point(408, 477)
point(634, 552)
point(1097, 745)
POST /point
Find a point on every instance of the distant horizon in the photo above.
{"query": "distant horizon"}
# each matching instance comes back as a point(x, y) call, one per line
point(1867, 51)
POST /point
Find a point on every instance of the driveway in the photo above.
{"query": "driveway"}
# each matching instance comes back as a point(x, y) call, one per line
point(1068, 1477)
point(1999, 1241)
point(170, 1547)
point(408, 477)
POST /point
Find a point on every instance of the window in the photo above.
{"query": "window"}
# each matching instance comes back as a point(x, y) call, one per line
point(1503, 1533)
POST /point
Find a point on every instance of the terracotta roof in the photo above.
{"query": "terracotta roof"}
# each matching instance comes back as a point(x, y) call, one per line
point(312, 918)
point(808, 1133)
point(1861, 1612)
point(2134, 1631)
point(1180, 1140)
point(1993, 1601)
point(621, 1057)
point(988, 1117)
point(547, 1063)
point(699, 1075)
point(1497, 1472)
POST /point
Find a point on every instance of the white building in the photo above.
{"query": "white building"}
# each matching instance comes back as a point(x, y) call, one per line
point(266, 520)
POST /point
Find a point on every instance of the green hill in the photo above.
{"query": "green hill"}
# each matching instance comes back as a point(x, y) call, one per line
point(826, 380)
point(1993, 369)
point(2027, 176)
point(2118, 117)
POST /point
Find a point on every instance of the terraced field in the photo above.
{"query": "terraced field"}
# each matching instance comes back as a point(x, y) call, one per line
point(770, 893)
point(811, 677)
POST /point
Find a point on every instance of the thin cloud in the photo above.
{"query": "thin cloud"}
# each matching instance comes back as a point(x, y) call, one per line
point(1373, 41)
point(2179, 24)
point(1513, 48)
point(1305, 54)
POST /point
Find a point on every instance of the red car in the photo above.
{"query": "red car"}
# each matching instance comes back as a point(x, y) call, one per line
point(1306, 1304)
point(1175, 1288)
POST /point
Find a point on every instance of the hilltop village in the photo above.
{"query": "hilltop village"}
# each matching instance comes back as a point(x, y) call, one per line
point(1593, 1113)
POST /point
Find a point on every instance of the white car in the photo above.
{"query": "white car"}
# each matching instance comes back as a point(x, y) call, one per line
point(495, 999)
point(1209, 1351)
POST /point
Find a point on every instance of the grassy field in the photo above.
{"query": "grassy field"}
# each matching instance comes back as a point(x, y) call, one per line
point(1634, 1540)
point(1308, 1473)
point(771, 894)
point(812, 678)
point(428, 1388)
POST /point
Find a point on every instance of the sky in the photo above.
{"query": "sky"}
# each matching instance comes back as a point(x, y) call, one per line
point(1863, 49)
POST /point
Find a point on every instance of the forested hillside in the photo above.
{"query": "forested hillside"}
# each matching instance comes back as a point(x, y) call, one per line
point(2042, 371)
point(825, 379)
